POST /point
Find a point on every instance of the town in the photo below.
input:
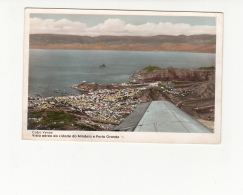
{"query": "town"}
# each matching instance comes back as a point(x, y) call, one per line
point(103, 108)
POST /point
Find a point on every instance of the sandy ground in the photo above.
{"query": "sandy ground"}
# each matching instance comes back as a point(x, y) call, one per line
point(209, 124)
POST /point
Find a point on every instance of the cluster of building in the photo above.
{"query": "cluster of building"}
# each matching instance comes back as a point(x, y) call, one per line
point(103, 107)
point(104, 104)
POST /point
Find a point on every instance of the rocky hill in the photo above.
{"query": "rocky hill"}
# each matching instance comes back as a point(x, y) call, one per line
point(173, 74)
point(193, 90)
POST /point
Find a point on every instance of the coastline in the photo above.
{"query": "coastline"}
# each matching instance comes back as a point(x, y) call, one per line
point(207, 48)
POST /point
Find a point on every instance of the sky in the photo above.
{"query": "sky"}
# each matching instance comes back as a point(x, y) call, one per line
point(120, 25)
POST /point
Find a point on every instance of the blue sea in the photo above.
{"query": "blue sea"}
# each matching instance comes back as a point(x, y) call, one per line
point(51, 72)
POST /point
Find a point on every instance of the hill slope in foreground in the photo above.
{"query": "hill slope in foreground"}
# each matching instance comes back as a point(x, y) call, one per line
point(193, 43)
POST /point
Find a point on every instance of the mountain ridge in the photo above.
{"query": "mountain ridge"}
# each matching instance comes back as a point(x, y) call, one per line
point(192, 43)
point(114, 40)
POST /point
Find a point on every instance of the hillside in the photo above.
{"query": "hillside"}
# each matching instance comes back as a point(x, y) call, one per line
point(193, 90)
point(194, 43)
point(173, 74)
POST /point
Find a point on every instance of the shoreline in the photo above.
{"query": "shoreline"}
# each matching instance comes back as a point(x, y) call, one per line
point(210, 48)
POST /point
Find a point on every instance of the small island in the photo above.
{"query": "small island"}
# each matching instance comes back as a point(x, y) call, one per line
point(102, 66)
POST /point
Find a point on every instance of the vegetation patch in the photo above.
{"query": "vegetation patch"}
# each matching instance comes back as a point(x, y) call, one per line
point(208, 68)
point(151, 68)
point(56, 120)
point(50, 120)
point(35, 115)
point(133, 82)
point(161, 85)
point(60, 116)
point(124, 98)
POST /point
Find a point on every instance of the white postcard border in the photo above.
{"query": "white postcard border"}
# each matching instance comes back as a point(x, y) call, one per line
point(129, 137)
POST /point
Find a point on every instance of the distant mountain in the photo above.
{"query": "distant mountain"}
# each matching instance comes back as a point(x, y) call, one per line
point(194, 43)
point(36, 39)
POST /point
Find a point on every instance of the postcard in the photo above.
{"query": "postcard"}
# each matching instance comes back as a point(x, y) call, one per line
point(122, 76)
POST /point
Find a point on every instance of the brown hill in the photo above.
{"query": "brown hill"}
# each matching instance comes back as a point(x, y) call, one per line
point(173, 74)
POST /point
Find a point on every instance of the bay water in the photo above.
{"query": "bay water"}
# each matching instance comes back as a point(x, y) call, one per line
point(51, 72)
